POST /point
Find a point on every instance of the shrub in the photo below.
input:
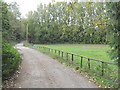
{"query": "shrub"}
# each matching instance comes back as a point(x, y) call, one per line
point(10, 59)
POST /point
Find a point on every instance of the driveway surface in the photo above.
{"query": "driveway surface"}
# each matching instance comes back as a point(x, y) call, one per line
point(41, 71)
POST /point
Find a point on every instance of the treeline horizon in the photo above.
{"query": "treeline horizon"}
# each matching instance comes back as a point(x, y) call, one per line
point(74, 22)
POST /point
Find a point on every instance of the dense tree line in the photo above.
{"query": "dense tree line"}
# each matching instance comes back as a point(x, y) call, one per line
point(113, 27)
point(73, 22)
point(114, 15)
point(11, 22)
point(11, 32)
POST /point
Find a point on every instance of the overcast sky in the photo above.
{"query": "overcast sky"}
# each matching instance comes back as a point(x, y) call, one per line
point(28, 5)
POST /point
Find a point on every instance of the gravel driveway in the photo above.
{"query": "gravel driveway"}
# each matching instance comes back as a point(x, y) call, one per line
point(41, 71)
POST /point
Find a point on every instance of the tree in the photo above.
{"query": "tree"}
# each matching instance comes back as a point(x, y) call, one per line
point(11, 23)
point(15, 22)
point(113, 16)
point(5, 21)
point(74, 22)
point(113, 13)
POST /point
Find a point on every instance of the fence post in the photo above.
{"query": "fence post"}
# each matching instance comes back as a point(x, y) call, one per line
point(89, 63)
point(81, 61)
point(62, 54)
point(72, 57)
point(102, 69)
point(67, 56)
point(59, 53)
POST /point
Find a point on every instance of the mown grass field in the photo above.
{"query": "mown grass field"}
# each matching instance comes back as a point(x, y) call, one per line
point(93, 51)
point(89, 50)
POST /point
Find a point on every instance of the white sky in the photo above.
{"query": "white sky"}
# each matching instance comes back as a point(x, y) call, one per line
point(28, 5)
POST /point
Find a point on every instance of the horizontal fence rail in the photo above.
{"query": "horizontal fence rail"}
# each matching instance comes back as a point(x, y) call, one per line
point(63, 54)
point(80, 56)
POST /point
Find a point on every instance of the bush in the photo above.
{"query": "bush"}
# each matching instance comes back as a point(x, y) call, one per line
point(10, 59)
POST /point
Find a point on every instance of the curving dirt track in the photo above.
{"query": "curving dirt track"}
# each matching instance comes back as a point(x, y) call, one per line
point(41, 71)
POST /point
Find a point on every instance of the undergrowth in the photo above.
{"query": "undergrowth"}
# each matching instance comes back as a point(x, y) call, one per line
point(10, 60)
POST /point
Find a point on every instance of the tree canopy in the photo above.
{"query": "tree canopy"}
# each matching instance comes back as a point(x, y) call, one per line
point(72, 22)
point(11, 22)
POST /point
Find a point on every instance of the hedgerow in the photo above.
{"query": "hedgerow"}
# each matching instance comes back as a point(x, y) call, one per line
point(10, 60)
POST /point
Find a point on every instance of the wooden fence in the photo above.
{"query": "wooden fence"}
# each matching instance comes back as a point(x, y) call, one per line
point(61, 53)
